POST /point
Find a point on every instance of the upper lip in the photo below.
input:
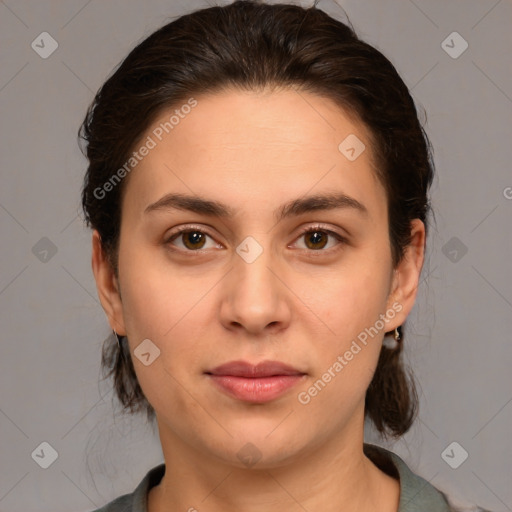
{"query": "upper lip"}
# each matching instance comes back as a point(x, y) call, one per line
point(262, 369)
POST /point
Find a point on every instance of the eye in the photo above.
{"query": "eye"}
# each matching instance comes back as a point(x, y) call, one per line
point(317, 238)
point(192, 239)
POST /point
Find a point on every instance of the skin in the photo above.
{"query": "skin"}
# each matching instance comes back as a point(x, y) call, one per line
point(299, 303)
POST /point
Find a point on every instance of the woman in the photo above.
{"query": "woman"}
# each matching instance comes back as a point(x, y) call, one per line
point(258, 192)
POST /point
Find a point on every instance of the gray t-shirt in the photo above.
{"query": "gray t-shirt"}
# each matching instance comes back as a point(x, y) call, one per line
point(416, 494)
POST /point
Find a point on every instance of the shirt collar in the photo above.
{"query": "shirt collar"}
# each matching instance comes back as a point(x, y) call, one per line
point(416, 494)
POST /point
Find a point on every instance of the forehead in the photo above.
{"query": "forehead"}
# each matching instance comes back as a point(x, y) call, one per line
point(250, 147)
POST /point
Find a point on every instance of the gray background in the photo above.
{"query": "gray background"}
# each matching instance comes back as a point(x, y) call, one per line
point(52, 324)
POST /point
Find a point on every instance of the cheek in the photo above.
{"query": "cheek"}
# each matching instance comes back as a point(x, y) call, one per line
point(349, 305)
point(349, 300)
point(166, 306)
point(157, 308)
point(154, 298)
point(149, 308)
point(346, 356)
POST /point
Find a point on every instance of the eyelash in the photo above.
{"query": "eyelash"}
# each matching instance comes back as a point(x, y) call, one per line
point(304, 231)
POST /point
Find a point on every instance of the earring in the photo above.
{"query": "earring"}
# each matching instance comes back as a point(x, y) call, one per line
point(392, 342)
point(119, 339)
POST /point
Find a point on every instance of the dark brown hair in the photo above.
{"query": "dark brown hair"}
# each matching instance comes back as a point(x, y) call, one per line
point(250, 45)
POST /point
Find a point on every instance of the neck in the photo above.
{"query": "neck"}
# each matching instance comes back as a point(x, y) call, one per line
point(331, 477)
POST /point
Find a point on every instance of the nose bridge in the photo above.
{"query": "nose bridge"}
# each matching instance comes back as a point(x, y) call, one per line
point(255, 297)
point(252, 262)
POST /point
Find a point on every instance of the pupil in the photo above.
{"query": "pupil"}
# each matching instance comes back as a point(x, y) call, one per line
point(316, 237)
point(193, 237)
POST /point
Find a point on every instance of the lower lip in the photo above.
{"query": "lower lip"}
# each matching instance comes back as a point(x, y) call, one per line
point(259, 390)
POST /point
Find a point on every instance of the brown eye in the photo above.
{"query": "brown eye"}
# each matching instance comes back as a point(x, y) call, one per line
point(316, 239)
point(190, 240)
point(193, 239)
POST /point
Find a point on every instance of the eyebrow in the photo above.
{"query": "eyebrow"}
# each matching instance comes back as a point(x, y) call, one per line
point(292, 208)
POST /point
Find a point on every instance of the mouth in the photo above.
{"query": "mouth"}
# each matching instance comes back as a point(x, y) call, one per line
point(258, 383)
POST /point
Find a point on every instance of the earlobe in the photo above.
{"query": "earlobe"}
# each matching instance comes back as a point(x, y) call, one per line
point(407, 274)
point(107, 286)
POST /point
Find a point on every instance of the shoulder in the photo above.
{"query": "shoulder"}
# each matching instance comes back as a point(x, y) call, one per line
point(122, 504)
point(416, 494)
point(137, 500)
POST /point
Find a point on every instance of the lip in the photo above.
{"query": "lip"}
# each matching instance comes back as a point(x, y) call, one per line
point(262, 369)
point(258, 383)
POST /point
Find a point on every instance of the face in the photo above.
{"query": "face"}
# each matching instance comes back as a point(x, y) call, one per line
point(309, 284)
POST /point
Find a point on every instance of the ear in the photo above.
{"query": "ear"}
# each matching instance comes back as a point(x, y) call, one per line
point(406, 276)
point(107, 286)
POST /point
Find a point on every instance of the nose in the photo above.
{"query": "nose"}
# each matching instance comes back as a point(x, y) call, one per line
point(255, 296)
